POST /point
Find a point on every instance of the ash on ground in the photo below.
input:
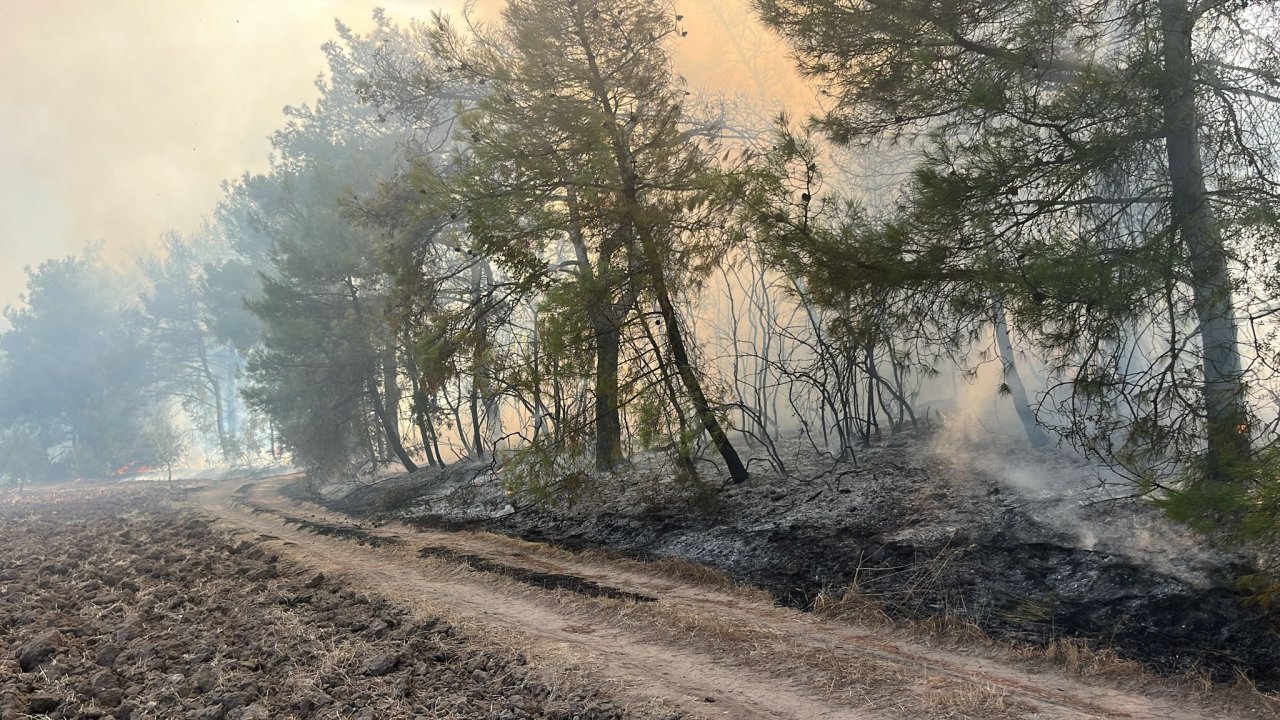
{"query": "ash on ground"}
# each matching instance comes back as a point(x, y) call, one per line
point(1032, 545)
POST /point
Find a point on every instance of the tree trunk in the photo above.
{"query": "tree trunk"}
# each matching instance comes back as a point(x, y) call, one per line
point(557, 403)
point(608, 421)
point(689, 376)
point(419, 403)
point(391, 391)
point(369, 433)
point(215, 390)
point(605, 316)
point(539, 408)
point(483, 405)
point(1012, 380)
point(684, 452)
point(456, 408)
point(1226, 415)
point(640, 233)
point(423, 424)
point(477, 434)
point(389, 430)
point(872, 424)
point(899, 388)
point(390, 433)
point(231, 397)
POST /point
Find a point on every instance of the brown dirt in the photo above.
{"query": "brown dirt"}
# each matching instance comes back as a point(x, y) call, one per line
point(115, 604)
point(231, 602)
point(655, 639)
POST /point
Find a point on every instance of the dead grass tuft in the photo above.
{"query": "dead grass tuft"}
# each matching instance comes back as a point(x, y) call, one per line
point(951, 628)
point(852, 605)
point(946, 698)
point(1246, 695)
point(857, 678)
point(1087, 659)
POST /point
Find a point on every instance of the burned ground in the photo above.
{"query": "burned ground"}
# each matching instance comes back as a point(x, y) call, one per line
point(119, 606)
point(1010, 540)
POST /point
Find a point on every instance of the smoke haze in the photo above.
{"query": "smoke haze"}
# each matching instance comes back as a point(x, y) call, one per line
point(121, 119)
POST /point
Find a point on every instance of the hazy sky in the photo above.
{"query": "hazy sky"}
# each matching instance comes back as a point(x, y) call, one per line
point(118, 120)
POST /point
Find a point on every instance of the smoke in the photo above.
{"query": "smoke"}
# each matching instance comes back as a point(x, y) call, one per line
point(971, 406)
point(1086, 505)
point(121, 119)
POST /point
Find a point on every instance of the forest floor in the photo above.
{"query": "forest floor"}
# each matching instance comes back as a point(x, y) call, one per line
point(233, 601)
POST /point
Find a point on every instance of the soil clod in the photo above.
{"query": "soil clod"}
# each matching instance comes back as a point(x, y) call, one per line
point(219, 629)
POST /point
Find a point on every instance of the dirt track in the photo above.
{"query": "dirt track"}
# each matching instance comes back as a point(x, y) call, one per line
point(658, 642)
point(114, 604)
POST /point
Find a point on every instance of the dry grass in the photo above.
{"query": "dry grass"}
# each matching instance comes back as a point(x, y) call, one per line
point(1253, 698)
point(1083, 658)
point(851, 606)
point(857, 677)
point(949, 628)
point(518, 545)
point(689, 571)
point(860, 678)
point(675, 569)
point(973, 700)
point(1104, 667)
point(867, 680)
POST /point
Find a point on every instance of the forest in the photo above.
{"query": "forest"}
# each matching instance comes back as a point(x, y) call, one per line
point(527, 243)
point(528, 378)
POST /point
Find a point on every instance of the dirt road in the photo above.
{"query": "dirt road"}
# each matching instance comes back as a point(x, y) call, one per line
point(665, 639)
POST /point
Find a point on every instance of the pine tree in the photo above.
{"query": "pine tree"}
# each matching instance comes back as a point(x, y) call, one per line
point(1107, 168)
point(583, 171)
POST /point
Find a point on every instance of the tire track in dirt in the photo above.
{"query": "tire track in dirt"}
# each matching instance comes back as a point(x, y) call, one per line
point(1042, 694)
point(643, 670)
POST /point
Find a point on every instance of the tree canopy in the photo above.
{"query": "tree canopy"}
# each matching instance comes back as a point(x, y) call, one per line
point(1108, 169)
point(78, 377)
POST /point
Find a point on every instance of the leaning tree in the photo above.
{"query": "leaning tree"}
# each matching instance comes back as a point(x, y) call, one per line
point(585, 177)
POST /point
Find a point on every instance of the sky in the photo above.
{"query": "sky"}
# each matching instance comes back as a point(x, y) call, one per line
point(119, 120)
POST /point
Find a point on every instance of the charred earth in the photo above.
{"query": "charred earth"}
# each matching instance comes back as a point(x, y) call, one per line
point(1029, 545)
